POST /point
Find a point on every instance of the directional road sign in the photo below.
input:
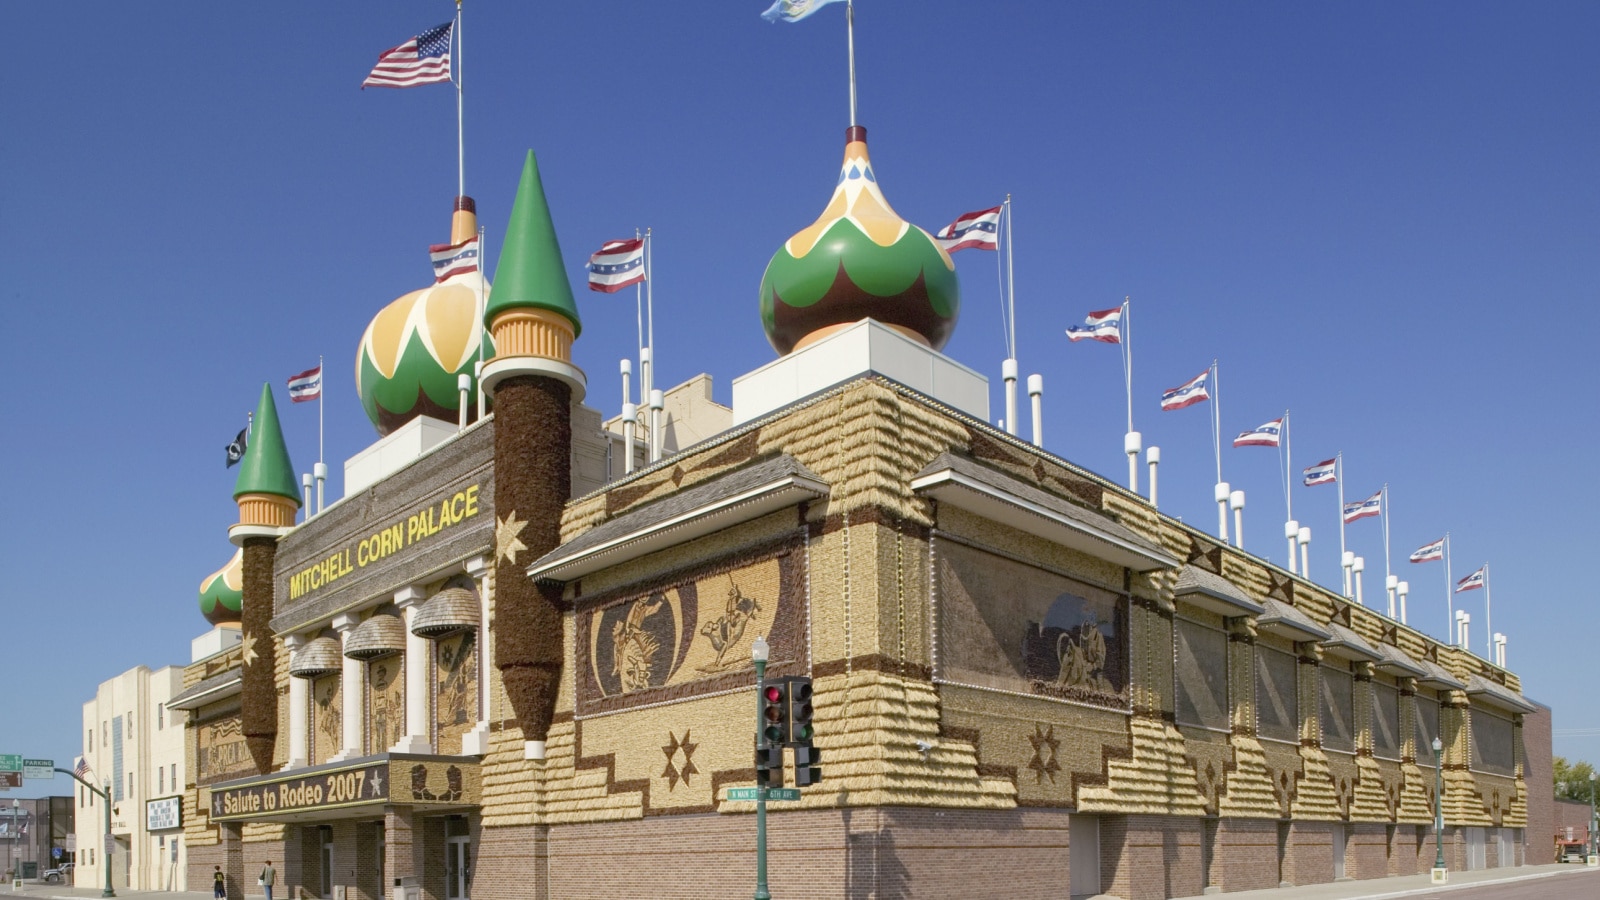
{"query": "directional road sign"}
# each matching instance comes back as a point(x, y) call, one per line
point(10, 762)
point(772, 794)
point(10, 780)
point(38, 768)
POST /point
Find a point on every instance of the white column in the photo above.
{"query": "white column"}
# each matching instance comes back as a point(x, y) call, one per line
point(476, 741)
point(418, 734)
point(299, 699)
point(350, 687)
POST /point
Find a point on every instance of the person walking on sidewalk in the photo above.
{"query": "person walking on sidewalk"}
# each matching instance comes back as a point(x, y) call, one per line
point(219, 884)
point(269, 877)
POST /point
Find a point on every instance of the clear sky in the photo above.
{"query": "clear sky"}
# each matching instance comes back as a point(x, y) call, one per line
point(1383, 216)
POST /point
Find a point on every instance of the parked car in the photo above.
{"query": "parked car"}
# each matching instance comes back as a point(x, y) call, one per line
point(59, 875)
point(1571, 852)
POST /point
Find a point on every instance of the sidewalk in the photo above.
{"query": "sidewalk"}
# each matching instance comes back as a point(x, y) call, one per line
point(1415, 885)
point(64, 892)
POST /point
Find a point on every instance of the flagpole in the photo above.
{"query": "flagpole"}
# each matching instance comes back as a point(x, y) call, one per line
point(1132, 442)
point(322, 376)
point(1449, 593)
point(1488, 623)
point(1286, 460)
point(483, 332)
point(850, 28)
point(1216, 447)
point(461, 164)
point(1008, 316)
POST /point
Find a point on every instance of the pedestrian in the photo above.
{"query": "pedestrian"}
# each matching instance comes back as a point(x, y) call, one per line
point(269, 877)
point(219, 884)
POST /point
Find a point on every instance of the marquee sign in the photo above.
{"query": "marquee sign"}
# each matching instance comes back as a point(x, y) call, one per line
point(368, 782)
point(163, 814)
point(406, 531)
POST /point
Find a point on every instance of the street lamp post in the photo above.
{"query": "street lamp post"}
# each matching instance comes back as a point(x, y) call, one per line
point(759, 652)
point(1592, 848)
point(1439, 871)
point(11, 845)
point(105, 857)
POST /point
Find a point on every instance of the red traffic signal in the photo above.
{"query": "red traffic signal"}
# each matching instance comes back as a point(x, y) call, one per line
point(772, 719)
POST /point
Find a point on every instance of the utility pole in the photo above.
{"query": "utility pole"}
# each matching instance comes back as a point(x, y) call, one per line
point(105, 852)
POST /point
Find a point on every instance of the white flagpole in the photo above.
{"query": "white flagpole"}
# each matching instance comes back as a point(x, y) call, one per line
point(1286, 459)
point(1488, 624)
point(1008, 315)
point(1338, 477)
point(322, 388)
point(1449, 590)
point(483, 331)
point(461, 165)
point(850, 27)
point(1216, 446)
point(1387, 568)
point(1132, 442)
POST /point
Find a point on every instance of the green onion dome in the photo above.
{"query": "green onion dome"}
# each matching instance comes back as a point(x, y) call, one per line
point(222, 592)
point(414, 349)
point(859, 260)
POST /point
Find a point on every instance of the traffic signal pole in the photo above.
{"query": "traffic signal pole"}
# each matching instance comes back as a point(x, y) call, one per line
point(105, 856)
point(759, 656)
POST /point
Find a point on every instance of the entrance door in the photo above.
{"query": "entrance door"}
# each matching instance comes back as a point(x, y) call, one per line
point(1477, 857)
point(326, 833)
point(1339, 841)
point(458, 867)
point(1083, 849)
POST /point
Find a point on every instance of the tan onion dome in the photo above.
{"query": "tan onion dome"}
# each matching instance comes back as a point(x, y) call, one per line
point(447, 612)
point(379, 635)
point(318, 657)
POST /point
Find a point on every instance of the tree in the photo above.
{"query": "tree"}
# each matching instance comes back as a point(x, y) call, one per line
point(1572, 779)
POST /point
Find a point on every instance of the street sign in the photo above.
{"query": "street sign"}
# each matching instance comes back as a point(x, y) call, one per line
point(39, 768)
point(55, 852)
point(10, 780)
point(72, 843)
point(10, 762)
point(772, 794)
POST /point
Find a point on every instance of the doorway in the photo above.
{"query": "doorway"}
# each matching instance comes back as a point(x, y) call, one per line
point(457, 859)
point(1083, 851)
point(1340, 839)
point(326, 834)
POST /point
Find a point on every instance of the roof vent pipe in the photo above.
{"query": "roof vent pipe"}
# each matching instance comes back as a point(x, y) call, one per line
point(1391, 582)
point(1305, 551)
point(1346, 561)
point(1291, 532)
point(1008, 373)
point(1132, 443)
point(1221, 495)
point(319, 471)
point(1236, 502)
point(657, 401)
point(305, 489)
point(1153, 456)
point(464, 388)
point(1359, 566)
point(1403, 588)
point(1036, 395)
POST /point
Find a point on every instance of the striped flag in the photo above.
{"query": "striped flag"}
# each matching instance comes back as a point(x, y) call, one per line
point(793, 10)
point(1429, 553)
point(1267, 435)
point(617, 265)
point(1325, 472)
point(1364, 509)
point(1471, 582)
point(1187, 394)
point(972, 231)
point(425, 59)
point(1104, 325)
point(306, 386)
point(81, 768)
point(450, 260)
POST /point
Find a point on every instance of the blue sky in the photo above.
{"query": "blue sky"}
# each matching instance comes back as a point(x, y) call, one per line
point(1383, 216)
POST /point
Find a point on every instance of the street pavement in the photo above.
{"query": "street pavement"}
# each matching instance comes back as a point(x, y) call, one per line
point(1557, 882)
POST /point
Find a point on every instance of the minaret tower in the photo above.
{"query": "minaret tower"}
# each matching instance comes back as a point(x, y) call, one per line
point(268, 498)
point(533, 321)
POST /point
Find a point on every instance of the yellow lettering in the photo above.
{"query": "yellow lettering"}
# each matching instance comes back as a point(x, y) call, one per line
point(472, 501)
point(396, 534)
point(412, 526)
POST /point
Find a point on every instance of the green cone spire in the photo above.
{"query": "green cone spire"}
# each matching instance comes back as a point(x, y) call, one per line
point(530, 273)
point(266, 468)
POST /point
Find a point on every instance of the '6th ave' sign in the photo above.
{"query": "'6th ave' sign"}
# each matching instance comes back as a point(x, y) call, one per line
point(317, 791)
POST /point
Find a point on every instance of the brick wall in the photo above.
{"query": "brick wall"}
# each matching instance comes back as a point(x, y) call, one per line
point(1539, 777)
point(1308, 854)
point(1150, 857)
point(1366, 850)
point(1246, 855)
point(871, 853)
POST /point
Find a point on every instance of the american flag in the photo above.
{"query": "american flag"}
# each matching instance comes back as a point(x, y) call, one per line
point(425, 59)
point(1187, 394)
point(616, 265)
point(306, 386)
point(82, 768)
point(1266, 435)
point(1429, 553)
point(450, 260)
point(1364, 509)
point(972, 231)
point(1471, 582)
point(1103, 325)
point(1325, 472)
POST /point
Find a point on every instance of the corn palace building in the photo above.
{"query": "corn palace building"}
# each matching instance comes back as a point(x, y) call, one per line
point(499, 667)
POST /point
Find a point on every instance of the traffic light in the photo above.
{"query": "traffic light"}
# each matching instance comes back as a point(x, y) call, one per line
point(806, 758)
point(769, 765)
point(772, 719)
point(800, 730)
